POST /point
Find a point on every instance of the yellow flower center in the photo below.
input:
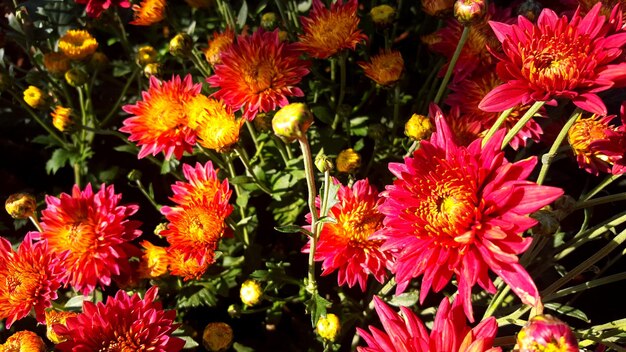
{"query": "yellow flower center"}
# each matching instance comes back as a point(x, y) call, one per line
point(259, 76)
point(201, 226)
point(583, 133)
point(358, 224)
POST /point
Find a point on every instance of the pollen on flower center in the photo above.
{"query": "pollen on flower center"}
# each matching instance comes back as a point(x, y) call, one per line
point(359, 224)
point(260, 77)
point(201, 226)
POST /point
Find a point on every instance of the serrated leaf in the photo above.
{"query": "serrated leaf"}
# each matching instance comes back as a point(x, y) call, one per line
point(568, 311)
point(243, 14)
point(316, 306)
point(293, 229)
point(197, 295)
point(58, 159)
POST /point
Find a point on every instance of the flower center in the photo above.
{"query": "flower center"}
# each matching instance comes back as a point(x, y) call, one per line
point(360, 223)
point(124, 343)
point(260, 76)
point(200, 225)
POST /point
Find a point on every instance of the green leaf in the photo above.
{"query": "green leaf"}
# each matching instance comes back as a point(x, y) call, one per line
point(243, 14)
point(197, 295)
point(125, 148)
point(293, 229)
point(189, 342)
point(59, 158)
point(405, 299)
point(76, 302)
point(46, 140)
point(241, 348)
point(316, 306)
point(568, 311)
point(322, 112)
point(240, 180)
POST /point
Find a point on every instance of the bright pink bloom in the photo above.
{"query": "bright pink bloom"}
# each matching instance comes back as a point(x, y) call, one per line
point(461, 211)
point(96, 7)
point(450, 333)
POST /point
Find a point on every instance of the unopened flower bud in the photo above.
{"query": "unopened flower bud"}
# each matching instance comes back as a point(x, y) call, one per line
point(292, 121)
point(56, 63)
point(468, 12)
point(34, 97)
point(262, 122)
point(56, 317)
point(251, 292)
point(217, 337)
point(62, 118)
point(76, 77)
point(564, 202)
point(98, 61)
point(181, 45)
point(419, 127)
point(233, 311)
point(283, 36)
point(529, 9)
point(153, 69)
point(323, 163)
point(382, 15)
point(547, 224)
point(269, 21)
point(546, 333)
point(134, 175)
point(146, 55)
point(20, 205)
point(348, 161)
point(328, 327)
point(376, 131)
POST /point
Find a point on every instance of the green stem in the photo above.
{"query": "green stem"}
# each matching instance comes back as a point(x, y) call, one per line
point(342, 92)
point(453, 60)
point(325, 197)
point(496, 301)
point(242, 213)
point(546, 159)
point(117, 104)
point(147, 195)
point(309, 168)
point(35, 117)
point(607, 181)
point(396, 109)
point(587, 285)
point(503, 116)
point(253, 135)
point(123, 35)
point(364, 99)
point(586, 236)
point(280, 145)
point(200, 63)
point(522, 122)
point(246, 163)
point(601, 200)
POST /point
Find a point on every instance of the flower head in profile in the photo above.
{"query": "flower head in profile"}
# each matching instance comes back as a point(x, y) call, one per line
point(56, 63)
point(558, 58)
point(214, 123)
point(345, 245)
point(148, 12)
point(31, 277)
point(34, 97)
point(61, 118)
point(385, 68)
point(23, 341)
point(220, 42)
point(96, 7)
point(450, 333)
point(461, 211)
point(258, 73)
point(154, 261)
point(123, 323)
point(159, 121)
point(186, 266)
point(77, 44)
point(328, 31)
point(546, 333)
point(56, 317)
point(95, 231)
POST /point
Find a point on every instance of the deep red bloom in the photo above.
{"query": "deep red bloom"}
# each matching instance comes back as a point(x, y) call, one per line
point(557, 58)
point(95, 231)
point(450, 333)
point(96, 7)
point(30, 279)
point(258, 73)
point(345, 245)
point(462, 210)
point(123, 323)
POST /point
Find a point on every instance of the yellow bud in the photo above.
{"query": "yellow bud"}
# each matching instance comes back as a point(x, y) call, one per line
point(20, 205)
point(269, 21)
point(418, 127)
point(61, 118)
point(98, 61)
point(292, 121)
point(153, 69)
point(217, 337)
point(76, 77)
point(383, 15)
point(328, 327)
point(56, 63)
point(468, 12)
point(181, 45)
point(348, 161)
point(34, 97)
point(251, 292)
point(160, 227)
point(146, 55)
point(323, 163)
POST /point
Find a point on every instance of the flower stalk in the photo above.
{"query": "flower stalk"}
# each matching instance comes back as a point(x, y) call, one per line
point(453, 60)
point(546, 159)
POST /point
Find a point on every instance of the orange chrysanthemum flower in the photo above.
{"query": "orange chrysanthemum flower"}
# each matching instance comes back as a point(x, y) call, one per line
point(188, 268)
point(23, 341)
point(56, 317)
point(385, 68)
point(61, 118)
point(461, 211)
point(559, 58)
point(77, 44)
point(56, 63)
point(160, 122)
point(213, 122)
point(258, 73)
point(123, 323)
point(148, 12)
point(217, 45)
point(95, 231)
point(328, 31)
point(30, 279)
point(154, 261)
point(346, 245)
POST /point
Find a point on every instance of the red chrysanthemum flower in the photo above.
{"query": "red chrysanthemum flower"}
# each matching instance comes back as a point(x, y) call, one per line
point(160, 122)
point(462, 210)
point(123, 323)
point(345, 246)
point(467, 94)
point(327, 31)
point(30, 279)
point(95, 231)
point(202, 184)
point(450, 332)
point(96, 7)
point(557, 58)
point(258, 73)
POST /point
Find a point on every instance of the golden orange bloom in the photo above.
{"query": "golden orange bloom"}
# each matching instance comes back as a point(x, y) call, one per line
point(189, 268)
point(20, 205)
point(148, 12)
point(34, 97)
point(327, 31)
point(214, 123)
point(61, 118)
point(348, 161)
point(23, 341)
point(154, 261)
point(56, 63)
point(77, 44)
point(217, 45)
point(56, 317)
point(385, 68)
point(418, 127)
point(596, 144)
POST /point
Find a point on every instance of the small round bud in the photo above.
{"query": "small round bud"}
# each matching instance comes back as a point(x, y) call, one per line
point(382, 15)
point(34, 97)
point(20, 205)
point(468, 12)
point(328, 327)
point(283, 36)
point(181, 45)
point(146, 55)
point(76, 77)
point(548, 223)
point(251, 292)
point(529, 9)
point(234, 311)
point(269, 21)
point(153, 69)
point(376, 131)
point(217, 337)
point(134, 175)
point(292, 121)
point(98, 61)
point(348, 161)
point(62, 118)
point(546, 333)
point(323, 163)
point(564, 202)
point(419, 127)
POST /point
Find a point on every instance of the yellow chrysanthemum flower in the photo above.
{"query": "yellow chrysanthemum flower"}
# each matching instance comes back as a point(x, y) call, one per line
point(213, 122)
point(61, 118)
point(251, 293)
point(328, 327)
point(78, 44)
point(34, 97)
point(348, 161)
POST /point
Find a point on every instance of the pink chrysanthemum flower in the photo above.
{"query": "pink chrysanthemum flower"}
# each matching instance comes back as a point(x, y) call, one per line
point(95, 231)
point(96, 7)
point(450, 332)
point(557, 58)
point(345, 246)
point(258, 73)
point(160, 122)
point(461, 211)
point(123, 323)
point(30, 279)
